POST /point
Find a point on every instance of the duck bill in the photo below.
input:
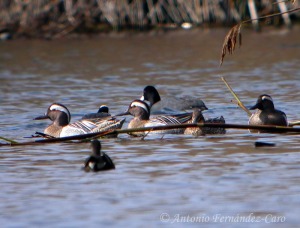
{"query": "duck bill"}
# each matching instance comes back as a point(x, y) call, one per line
point(41, 117)
point(204, 108)
point(254, 107)
point(123, 114)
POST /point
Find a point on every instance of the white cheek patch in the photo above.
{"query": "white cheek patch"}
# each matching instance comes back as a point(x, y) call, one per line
point(60, 108)
point(92, 165)
point(267, 98)
point(142, 98)
point(139, 104)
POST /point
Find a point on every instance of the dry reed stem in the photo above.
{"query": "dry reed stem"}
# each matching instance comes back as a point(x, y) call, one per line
point(239, 102)
point(230, 41)
point(294, 123)
point(235, 33)
point(8, 140)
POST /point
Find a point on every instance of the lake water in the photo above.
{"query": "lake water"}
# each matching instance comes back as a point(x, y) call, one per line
point(175, 180)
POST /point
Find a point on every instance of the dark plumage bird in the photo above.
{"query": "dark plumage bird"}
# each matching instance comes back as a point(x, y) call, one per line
point(102, 112)
point(266, 113)
point(99, 160)
point(169, 104)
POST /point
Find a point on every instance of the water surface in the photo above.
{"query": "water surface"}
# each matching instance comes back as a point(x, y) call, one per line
point(157, 181)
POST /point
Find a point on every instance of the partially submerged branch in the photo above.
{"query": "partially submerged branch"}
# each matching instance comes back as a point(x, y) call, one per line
point(278, 129)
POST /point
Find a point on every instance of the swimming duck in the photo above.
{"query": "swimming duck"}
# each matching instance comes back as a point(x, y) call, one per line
point(61, 126)
point(266, 113)
point(141, 112)
point(169, 104)
point(197, 117)
point(103, 111)
point(151, 94)
point(99, 160)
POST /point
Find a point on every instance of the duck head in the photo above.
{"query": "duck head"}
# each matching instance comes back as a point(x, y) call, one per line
point(264, 102)
point(58, 113)
point(96, 147)
point(103, 109)
point(150, 94)
point(138, 108)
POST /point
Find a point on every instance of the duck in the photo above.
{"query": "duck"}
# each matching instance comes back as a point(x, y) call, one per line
point(169, 104)
point(140, 110)
point(198, 118)
point(103, 111)
point(98, 160)
point(266, 113)
point(61, 126)
point(151, 95)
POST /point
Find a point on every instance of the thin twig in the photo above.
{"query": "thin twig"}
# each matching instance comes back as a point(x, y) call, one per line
point(293, 2)
point(235, 33)
point(294, 123)
point(8, 140)
point(271, 15)
point(239, 102)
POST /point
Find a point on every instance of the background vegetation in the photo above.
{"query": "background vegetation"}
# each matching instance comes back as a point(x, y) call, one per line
point(56, 18)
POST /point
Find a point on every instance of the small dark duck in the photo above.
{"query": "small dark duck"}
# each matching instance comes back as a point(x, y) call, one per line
point(103, 112)
point(266, 113)
point(99, 160)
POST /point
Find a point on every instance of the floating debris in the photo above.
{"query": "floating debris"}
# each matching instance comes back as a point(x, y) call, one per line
point(264, 144)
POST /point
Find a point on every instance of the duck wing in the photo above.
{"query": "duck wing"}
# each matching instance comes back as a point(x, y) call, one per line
point(165, 120)
point(183, 117)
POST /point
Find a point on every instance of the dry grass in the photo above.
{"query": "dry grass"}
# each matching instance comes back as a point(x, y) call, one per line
point(56, 18)
point(229, 43)
point(235, 34)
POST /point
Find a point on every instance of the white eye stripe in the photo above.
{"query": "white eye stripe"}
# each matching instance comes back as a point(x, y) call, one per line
point(60, 108)
point(267, 98)
point(139, 104)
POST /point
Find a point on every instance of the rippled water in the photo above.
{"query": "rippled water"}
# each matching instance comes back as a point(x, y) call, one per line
point(170, 181)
